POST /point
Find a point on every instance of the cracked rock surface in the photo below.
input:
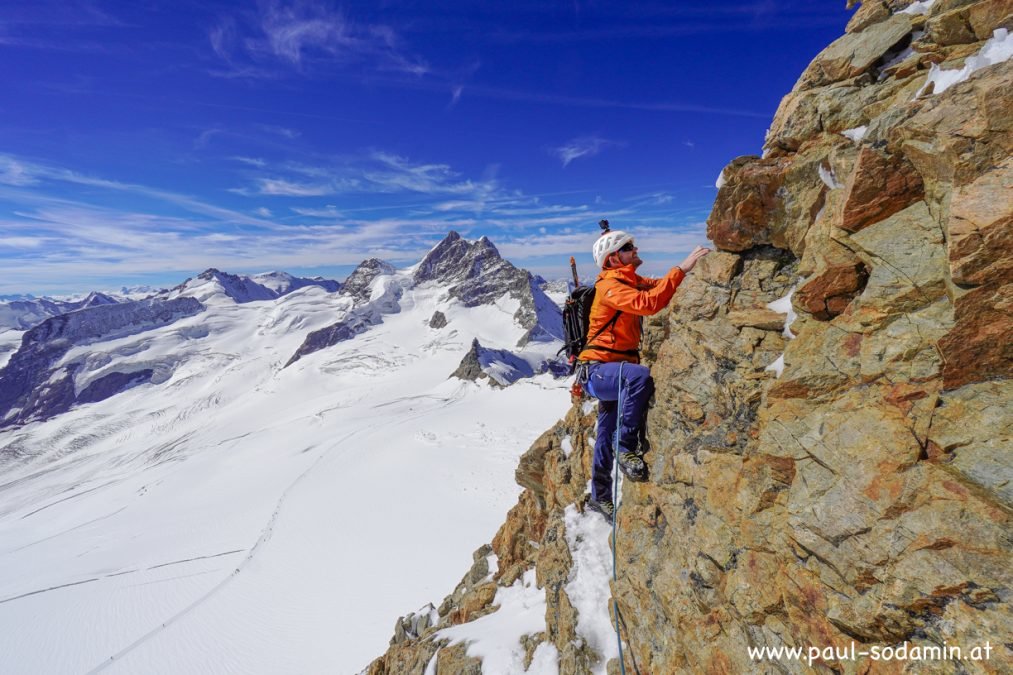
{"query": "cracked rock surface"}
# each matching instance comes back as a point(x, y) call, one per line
point(863, 495)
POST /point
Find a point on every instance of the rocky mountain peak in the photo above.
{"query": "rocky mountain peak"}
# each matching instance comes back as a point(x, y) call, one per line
point(213, 273)
point(455, 259)
point(95, 298)
point(476, 274)
point(359, 282)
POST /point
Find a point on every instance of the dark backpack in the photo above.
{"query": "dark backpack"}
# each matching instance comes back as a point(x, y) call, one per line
point(577, 323)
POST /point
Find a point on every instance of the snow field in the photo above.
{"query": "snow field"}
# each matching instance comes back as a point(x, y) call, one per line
point(241, 517)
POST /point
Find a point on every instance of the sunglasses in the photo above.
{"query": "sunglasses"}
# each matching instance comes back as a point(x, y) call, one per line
point(627, 247)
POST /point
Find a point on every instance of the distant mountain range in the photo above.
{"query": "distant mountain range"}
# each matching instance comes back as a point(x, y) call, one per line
point(242, 456)
point(38, 382)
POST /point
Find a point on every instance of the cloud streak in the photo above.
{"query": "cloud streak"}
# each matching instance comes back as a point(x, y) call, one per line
point(304, 35)
point(85, 242)
point(584, 146)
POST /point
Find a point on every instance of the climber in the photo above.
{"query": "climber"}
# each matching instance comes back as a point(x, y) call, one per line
point(621, 299)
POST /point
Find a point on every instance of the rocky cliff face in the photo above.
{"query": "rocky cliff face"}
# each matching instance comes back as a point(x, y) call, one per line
point(863, 494)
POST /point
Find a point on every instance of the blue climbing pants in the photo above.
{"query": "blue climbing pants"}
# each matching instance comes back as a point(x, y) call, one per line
point(603, 383)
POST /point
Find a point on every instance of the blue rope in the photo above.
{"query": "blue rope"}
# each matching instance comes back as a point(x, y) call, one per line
point(615, 513)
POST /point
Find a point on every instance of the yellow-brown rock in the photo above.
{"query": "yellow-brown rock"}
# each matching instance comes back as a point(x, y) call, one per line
point(830, 292)
point(863, 498)
point(879, 186)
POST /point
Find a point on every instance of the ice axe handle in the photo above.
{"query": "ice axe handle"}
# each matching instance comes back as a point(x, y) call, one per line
point(573, 268)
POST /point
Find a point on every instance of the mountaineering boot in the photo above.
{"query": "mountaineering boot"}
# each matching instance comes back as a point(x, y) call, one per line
point(632, 466)
point(605, 507)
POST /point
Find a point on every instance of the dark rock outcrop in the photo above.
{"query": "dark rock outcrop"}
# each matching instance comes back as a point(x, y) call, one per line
point(438, 320)
point(112, 384)
point(470, 367)
point(499, 366)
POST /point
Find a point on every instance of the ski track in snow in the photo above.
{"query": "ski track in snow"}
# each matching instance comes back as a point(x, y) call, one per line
point(117, 574)
point(265, 535)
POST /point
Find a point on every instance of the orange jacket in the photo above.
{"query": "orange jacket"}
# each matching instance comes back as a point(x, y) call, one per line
point(621, 289)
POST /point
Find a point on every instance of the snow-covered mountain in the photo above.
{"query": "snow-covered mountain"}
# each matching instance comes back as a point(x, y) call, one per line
point(283, 283)
point(213, 283)
point(471, 274)
point(175, 499)
point(477, 275)
point(38, 382)
point(22, 314)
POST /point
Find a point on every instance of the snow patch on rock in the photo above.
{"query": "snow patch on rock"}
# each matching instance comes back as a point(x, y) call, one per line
point(997, 49)
point(496, 638)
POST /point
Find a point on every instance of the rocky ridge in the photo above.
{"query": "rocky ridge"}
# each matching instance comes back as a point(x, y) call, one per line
point(474, 274)
point(242, 289)
point(33, 386)
point(373, 291)
point(22, 314)
point(863, 496)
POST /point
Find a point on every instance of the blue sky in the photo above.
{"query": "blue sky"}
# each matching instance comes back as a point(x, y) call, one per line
point(142, 142)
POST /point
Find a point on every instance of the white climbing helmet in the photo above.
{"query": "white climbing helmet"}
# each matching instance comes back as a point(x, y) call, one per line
point(610, 242)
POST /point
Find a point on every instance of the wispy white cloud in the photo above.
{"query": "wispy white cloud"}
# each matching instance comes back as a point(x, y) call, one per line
point(252, 161)
point(304, 32)
point(284, 188)
point(396, 174)
point(584, 146)
point(205, 137)
point(649, 200)
point(13, 172)
point(22, 242)
point(81, 238)
point(375, 172)
point(325, 212)
point(506, 94)
point(36, 174)
point(223, 38)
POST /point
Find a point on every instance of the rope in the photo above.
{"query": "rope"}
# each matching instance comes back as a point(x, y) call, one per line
point(615, 520)
point(615, 512)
